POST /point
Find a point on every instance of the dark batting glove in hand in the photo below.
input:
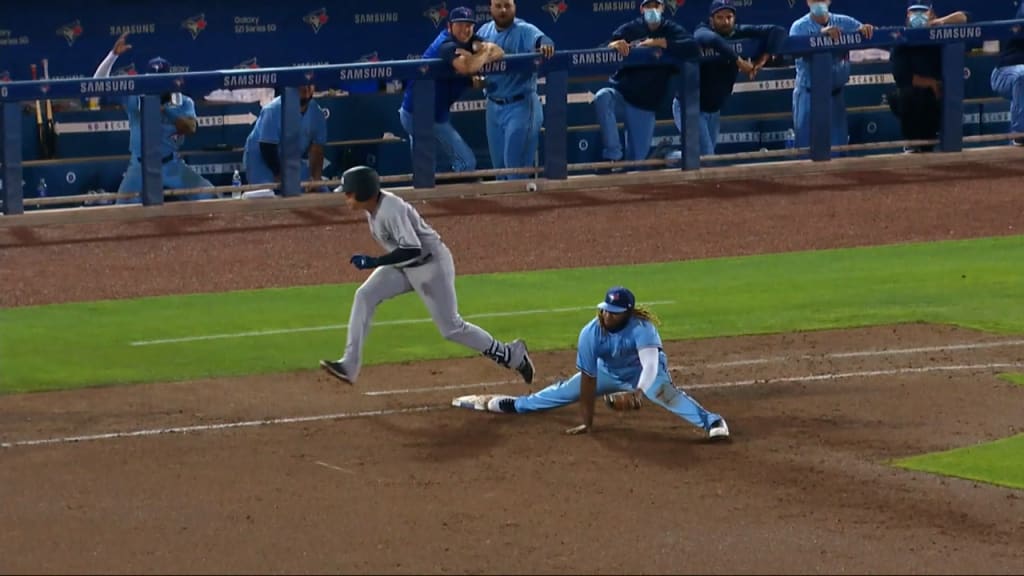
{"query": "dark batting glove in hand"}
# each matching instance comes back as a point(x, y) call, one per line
point(363, 262)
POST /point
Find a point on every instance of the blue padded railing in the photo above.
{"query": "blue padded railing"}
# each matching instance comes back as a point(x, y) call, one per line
point(557, 71)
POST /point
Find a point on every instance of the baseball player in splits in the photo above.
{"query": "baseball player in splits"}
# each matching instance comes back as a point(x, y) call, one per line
point(636, 91)
point(177, 120)
point(514, 112)
point(620, 356)
point(417, 260)
point(820, 21)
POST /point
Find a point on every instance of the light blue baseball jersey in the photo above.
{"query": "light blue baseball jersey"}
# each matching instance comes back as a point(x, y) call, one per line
point(519, 38)
point(617, 352)
point(313, 127)
point(170, 140)
point(806, 26)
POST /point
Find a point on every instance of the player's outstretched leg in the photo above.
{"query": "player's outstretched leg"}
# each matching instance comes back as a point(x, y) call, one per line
point(558, 394)
point(664, 393)
point(435, 284)
point(384, 283)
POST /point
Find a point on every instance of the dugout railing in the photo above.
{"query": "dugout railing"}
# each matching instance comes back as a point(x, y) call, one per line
point(556, 71)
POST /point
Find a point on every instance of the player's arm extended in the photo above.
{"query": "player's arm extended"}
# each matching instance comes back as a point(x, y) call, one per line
point(588, 391)
point(648, 368)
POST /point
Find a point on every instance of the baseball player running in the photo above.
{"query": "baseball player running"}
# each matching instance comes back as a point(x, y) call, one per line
point(514, 112)
point(262, 155)
point(620, 356)
point(466, 53)
point(721, 64)
point(417, 260)
point(636, 91)
point(177, 120)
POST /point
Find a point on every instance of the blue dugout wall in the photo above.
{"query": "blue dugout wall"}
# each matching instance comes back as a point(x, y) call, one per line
point(756, 117)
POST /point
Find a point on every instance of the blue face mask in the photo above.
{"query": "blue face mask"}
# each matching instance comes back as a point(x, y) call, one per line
point(652, 16)
point(819, 9)
point(918, 20)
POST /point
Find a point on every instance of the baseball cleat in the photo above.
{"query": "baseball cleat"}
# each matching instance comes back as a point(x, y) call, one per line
point(525, 367)
point(498, 403)
point(719, 430)
point(336, 369)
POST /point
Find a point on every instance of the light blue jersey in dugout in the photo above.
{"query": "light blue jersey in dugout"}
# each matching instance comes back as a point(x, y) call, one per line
point(615, 353)
point(806, 26)
point(170, 140)
point(519, 38)
point(312, 130)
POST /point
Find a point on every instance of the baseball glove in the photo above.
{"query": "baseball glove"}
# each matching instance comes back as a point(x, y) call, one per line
point(624, 401)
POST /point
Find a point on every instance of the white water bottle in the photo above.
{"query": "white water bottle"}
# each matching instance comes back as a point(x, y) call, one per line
point(790, 139)
point(236, 181)
point(42, 189)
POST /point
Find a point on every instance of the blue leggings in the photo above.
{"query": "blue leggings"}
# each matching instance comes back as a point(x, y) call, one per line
point(663, 393)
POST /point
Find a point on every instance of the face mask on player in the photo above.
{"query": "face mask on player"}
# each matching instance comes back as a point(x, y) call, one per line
point(919, 20)
point(819, 9)
point(652, 16)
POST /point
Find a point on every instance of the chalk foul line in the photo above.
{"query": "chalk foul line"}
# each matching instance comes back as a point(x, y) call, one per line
point(416, 409)
point(256, 333)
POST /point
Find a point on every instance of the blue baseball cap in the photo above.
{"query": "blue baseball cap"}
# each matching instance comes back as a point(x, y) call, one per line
point(913, 5)
point(618, 300)
point(719, 5)
point(642, 2)
point(461, 14)
point(158, 65)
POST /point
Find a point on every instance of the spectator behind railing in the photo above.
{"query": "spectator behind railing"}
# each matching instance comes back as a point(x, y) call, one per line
point(637, 91)
point(262, 157)
point(1008, 80)
point(821, 21)
point(466, 53)
point(177, 120)
point(514, 112)
point(917, 71)
point(720, 64)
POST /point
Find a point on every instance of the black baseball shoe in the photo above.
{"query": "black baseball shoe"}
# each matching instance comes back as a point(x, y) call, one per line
point(336, 369)
point(521, 360)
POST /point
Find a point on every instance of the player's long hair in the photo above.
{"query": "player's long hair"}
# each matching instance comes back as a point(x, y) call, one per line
point(643, 313)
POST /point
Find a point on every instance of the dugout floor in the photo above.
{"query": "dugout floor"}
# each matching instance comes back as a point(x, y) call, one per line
point(387, 477)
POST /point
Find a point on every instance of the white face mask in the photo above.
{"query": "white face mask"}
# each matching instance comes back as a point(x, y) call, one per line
point(652, 16)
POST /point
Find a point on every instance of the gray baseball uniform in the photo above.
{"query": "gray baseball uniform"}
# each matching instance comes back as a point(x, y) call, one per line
point(396, 224)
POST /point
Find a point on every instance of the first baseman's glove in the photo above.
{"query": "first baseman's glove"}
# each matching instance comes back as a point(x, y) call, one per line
point(623, 401)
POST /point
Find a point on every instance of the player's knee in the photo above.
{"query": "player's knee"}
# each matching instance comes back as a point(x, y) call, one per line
point(452, 329)
point(365, 297)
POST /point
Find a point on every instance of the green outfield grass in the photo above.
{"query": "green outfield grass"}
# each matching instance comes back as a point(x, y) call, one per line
point(1014, 378)
point(996, 462)
point(974, 283)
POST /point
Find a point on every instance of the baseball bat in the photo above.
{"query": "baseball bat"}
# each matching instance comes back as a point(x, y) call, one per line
point(51, 134)
point(40, 129)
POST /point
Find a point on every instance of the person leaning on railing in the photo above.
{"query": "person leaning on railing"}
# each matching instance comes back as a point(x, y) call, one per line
point(1008, 80)
point(637, 90)
point(821, 21)
point(917, 71)
point(721, 64)
point(514, 113)
point(466, 53)
point(262, 156)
